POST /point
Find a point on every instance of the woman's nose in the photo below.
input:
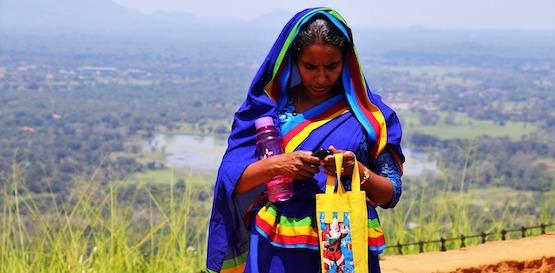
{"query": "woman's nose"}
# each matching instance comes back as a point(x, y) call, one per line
point(321, 77)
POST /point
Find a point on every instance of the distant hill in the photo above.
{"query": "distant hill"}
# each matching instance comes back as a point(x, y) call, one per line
point(276, 18)
point(106, 15)
point(65, 13)
point(77, 19)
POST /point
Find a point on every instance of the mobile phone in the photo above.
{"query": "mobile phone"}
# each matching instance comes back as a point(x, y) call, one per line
point(321, 153)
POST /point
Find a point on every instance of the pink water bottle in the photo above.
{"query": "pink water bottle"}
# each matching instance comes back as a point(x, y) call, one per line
point(268, 144)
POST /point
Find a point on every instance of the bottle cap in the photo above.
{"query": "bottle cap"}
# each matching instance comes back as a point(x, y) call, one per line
point(263, 122)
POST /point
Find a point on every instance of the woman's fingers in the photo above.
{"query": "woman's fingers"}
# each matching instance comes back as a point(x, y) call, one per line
point(300, 165)
point(348, 161)
point(329, 172)
point(310, 168)
point(306, 171)
point(304, 165)
point(329, 160)
point(305, 175)
point(308, 158)
point(349, 156)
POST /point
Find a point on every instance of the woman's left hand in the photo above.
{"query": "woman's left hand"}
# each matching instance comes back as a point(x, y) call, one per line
point(328, 163)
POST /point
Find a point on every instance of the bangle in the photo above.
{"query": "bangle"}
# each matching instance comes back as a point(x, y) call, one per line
point(365, 176)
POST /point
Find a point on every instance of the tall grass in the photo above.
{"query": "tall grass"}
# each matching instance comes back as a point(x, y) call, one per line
point(104, 229)
point(430, 212)
point(127, 226)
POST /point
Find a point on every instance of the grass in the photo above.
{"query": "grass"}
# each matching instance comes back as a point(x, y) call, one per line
point(464, 127)
point(428, 213)
point(162, 176)
point(142, 157)
point(169, 176)
point(105, 229)
point(150, 223)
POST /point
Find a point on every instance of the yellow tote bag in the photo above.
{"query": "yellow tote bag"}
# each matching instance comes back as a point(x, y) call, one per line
point(343, 225)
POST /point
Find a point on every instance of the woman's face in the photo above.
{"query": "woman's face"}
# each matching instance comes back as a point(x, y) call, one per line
point(320, 66)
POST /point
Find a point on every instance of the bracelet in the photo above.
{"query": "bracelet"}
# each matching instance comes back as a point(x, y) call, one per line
point(365, 176)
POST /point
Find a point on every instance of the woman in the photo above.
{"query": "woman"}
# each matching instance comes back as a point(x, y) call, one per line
point(312, 85)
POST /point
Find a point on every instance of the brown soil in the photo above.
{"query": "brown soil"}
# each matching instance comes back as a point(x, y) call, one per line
point(543, 265)
point(529, 255)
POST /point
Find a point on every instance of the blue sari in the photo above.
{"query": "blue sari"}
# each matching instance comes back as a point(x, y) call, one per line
point(240, 241)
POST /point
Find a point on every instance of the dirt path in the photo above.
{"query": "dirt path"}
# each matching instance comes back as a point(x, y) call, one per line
point(533, 255)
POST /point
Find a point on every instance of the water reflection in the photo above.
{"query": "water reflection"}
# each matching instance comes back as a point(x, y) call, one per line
point(417, 163)
point(205, 153)
point(189, 151)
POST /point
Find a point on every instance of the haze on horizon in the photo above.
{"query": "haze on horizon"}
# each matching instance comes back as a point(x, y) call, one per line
point(440, 14)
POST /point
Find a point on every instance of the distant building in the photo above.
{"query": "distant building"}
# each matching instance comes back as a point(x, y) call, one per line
point(26, 129)
point(400, 106)
point(56, 116)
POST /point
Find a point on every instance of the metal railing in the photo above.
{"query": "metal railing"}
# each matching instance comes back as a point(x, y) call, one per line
point(463, 238)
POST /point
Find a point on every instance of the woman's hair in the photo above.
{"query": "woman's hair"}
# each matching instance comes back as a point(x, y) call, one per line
point(319, 31)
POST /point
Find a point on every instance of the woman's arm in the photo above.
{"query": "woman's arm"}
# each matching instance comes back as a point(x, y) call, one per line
point(378, 188)
point(297, 165)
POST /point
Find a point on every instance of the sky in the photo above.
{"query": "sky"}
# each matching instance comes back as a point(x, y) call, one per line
point(442, 14)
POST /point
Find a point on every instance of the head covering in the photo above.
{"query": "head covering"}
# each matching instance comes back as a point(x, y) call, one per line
point(228, 236)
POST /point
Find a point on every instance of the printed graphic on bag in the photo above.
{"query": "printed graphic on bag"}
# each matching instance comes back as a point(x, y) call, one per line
point(337, 245)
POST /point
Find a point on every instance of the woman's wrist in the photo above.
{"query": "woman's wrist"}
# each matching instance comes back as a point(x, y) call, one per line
point(365, 174)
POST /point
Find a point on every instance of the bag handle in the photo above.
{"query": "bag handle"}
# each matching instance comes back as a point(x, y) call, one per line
point(330, 182)
point(355, 179)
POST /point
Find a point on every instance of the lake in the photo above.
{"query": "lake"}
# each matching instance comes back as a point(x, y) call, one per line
point(204, 153)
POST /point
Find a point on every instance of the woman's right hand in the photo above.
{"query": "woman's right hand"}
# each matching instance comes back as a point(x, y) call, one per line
point(297, 165)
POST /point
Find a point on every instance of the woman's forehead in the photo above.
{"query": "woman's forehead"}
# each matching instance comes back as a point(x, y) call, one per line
point(321, 54)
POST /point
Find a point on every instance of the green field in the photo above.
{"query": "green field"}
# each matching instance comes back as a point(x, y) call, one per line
point(463, 127)
point(440, 75)
point(142, 157)
point(168, 176)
